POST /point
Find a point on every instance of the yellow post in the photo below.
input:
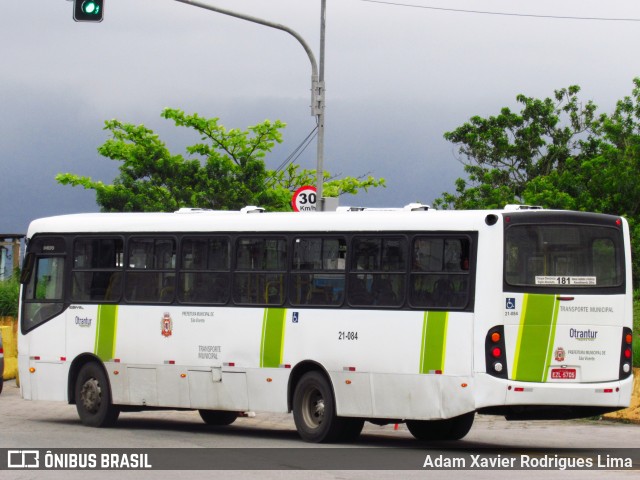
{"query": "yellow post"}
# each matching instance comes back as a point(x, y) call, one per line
point(10, 345)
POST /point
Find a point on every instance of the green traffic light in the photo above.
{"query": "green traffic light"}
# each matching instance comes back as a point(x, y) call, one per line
point(90, 8)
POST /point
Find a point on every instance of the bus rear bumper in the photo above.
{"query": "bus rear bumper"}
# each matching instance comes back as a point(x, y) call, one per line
point(529, 400)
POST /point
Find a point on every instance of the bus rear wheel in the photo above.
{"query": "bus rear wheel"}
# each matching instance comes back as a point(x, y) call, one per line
point(450, 429)
point(219, 418)
point(93, 397)
point(314, 409)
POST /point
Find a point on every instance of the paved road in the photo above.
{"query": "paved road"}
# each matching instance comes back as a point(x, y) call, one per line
point(25, 424)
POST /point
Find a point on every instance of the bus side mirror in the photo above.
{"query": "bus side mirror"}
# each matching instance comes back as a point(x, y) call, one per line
point(27, 268)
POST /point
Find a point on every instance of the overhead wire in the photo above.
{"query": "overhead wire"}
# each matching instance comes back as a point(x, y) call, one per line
point(293, 156)
point(506, 14)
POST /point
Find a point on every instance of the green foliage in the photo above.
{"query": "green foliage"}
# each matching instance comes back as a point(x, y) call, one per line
point(557, 153)
point(286, 181)
point(9, 294)
point(502, 154)
point(225, 170)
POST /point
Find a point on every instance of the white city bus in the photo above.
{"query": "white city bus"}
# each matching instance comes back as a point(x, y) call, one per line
point(407, 315)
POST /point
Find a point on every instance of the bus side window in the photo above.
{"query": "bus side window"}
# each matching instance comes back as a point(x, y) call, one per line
point(440, 272)
point(43, 294)
point(204, 270)
point(97, 269)
point(151, 270)
point(47, 282)
point(261, 264)
point(378, 269)
point(318, 272)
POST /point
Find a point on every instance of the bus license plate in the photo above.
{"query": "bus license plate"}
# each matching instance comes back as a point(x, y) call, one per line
point(563, 373)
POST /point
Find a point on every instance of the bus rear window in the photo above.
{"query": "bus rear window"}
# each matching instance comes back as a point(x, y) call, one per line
point(557, 256)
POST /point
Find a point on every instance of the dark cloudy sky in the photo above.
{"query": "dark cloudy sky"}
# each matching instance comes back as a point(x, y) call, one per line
point(398, 77)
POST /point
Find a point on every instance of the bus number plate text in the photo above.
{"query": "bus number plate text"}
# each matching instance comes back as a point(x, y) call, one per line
point(563, 373)
point(347, 335)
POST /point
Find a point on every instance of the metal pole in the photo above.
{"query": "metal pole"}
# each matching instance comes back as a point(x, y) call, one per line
point(320, 114)
point(312, 59)
point(317, 80)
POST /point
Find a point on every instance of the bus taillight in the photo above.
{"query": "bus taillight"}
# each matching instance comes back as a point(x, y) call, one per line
point(626, 353)
point(495, 356)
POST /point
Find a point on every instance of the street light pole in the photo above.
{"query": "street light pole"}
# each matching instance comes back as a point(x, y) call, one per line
point(320, 204)
point(317, 78)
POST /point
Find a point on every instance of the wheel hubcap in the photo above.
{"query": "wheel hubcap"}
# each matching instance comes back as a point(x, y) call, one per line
point(314, 408)
point(91, 395)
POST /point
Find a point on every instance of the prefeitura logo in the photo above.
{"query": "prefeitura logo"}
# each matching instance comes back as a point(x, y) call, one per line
point(166, 325)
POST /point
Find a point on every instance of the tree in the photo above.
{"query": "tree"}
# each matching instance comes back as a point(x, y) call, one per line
point(225, 170)
point(502, 154)
point(290, 178)
point(9, 295)
point(556, 154)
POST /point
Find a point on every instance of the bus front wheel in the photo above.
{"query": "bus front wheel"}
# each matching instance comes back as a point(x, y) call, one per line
point(93, 397)
point(449, 429)
point(314, 409)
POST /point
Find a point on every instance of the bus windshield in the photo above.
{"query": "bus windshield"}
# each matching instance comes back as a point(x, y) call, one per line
point(582, 256)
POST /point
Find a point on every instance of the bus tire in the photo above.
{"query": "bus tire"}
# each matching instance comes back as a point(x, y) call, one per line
point(314, 409)
point(218, 418)
point(93, 397)
point(449, 429)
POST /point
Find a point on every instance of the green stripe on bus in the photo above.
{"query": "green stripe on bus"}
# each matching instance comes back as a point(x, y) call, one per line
point(535, 337)
point(434, 341)
point(106, 326)
point(552, 337)
point(272, 344)
point(516, 359)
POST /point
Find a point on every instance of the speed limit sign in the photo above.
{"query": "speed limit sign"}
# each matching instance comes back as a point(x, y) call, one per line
point(304, 199)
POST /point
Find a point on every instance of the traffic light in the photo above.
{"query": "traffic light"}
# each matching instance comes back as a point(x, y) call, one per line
point(88, 10)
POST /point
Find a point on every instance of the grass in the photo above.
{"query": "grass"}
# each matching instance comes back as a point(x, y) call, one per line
point(9, 293)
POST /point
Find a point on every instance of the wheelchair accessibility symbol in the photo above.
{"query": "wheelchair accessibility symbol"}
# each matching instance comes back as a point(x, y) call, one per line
point(511, 304)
